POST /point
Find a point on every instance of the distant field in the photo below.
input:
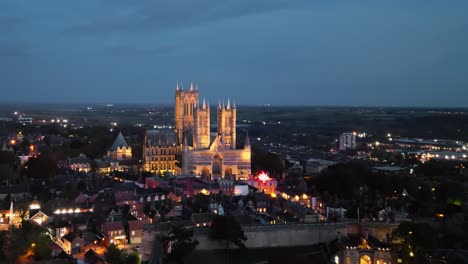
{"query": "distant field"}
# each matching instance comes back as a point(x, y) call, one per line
point(312, 123)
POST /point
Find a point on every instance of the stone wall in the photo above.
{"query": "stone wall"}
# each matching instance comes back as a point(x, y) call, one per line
point(275, 236)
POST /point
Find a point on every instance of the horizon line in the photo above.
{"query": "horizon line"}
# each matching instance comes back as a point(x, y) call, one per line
point(104, 104)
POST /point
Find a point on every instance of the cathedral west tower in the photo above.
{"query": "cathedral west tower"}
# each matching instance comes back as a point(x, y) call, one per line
point(185, 111)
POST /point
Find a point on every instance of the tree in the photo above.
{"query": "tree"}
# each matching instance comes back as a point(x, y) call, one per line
point(28, 240)
point(226, 228)
point(200, 203)
point(178, 244)
point(417, 240)
point(42, 166)
point(132, 259)
point(113, 255)
point(263, 160)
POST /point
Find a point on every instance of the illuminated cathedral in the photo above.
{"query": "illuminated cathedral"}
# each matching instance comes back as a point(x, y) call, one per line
point(200, 151)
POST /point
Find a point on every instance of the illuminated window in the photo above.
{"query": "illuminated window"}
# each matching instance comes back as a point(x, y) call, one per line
point(133, 233)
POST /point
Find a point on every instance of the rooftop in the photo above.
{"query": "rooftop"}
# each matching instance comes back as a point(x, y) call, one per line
point(119, 142)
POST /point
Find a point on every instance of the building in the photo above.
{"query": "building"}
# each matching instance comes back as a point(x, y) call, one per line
point(135, 229)
point(161, 151)
point(347, 141)
point(263, 183)
point(314, 166)
point(115, 232)
point(301, 213)
point(201, 152)
point(206, 153)
point(120, 150)
point(202, 219)
point(72, 243)
point(80, 164)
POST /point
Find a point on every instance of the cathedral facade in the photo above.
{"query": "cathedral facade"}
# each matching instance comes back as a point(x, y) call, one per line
point(206, 153)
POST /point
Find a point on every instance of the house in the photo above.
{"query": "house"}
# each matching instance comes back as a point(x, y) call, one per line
point(126, 197)
point(202, 219)
point(226, 186)
point(80, 164)
point(262, 202)
point(115, 232)
point(135, 229)
point(174, 197)
point(55, 249)
point(72, 243)
point(301, 213)
point(39, 218)
point(60, 229)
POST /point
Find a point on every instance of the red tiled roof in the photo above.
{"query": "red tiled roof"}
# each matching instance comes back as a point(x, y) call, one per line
point(113, 226)
point(125, 196)
point(137, 224)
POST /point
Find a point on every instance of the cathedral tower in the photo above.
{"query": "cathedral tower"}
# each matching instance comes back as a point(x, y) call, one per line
point(202, 126)
point(185, 111)
point(227, 125)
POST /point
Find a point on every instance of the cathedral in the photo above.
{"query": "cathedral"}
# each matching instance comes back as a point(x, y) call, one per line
point(199, 151)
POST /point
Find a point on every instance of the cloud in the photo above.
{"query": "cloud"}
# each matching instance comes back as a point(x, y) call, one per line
point(148, 16)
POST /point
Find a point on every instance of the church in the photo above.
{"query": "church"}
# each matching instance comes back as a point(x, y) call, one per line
point(200, 151)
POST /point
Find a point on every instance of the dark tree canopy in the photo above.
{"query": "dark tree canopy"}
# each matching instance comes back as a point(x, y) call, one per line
point(226, 228)
point(113, 255)
point(179, 244)
point(417, 239)
point(42, 166)
point(265, 161)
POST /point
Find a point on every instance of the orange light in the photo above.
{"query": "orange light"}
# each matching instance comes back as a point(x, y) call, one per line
point(273, 195)
point(440, 215)
point(13, 142)
point(31, 147)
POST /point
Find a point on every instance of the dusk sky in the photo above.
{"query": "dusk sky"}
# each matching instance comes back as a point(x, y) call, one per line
point(287, 52)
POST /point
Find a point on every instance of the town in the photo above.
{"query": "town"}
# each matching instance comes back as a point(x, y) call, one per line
point(154, 191)
point(233, 132)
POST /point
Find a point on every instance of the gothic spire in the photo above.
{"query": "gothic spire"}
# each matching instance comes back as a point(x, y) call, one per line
point(191, 86)
point(247, 141)
point(228, 104)
point(204, 104)
point(177, 86)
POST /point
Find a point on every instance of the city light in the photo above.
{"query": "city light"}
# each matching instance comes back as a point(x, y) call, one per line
point(263, 177)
